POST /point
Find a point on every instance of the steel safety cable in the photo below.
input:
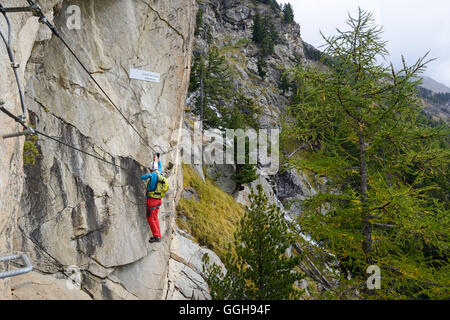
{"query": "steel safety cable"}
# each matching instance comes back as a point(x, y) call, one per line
point(44, 20)
point(4, 110)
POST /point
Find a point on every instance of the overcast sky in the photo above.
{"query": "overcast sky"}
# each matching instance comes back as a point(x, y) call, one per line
point(412, 27)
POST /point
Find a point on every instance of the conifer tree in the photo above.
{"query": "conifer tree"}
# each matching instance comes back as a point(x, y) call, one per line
point(208, 35)
point(211, 76)
point(267, 45)
point(258, 267)
point(285, 83)
point(271, 37)
point(245, 173)
point(244, 113)
point(272, 3)
point(288, 14)
point(199, 23)
point(264, 33)
point(258, 28)
point(262, 67)
point(364, 127)
point(243, 116)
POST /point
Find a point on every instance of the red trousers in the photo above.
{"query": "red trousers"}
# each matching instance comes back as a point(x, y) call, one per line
point(152, 216)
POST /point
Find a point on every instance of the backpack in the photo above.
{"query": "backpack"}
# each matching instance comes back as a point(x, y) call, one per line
point(162, 186)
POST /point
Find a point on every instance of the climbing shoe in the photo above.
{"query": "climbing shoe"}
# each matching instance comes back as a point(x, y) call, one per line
point(153, 239)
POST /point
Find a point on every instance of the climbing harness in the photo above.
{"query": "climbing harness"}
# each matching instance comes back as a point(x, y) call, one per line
point(27, 266)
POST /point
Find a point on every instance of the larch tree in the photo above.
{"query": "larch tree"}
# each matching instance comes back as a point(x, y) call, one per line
point(364, 129)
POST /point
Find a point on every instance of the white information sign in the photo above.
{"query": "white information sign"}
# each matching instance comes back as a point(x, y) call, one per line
point(144, 75)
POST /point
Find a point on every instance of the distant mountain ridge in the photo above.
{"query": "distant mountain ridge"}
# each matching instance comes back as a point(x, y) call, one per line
point(435, 86)
point(437, 102)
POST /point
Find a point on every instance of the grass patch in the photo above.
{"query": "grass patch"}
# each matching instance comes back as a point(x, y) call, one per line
point(213, 220)
point(235, 46)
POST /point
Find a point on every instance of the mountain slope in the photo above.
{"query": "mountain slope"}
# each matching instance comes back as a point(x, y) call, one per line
point(433, 85)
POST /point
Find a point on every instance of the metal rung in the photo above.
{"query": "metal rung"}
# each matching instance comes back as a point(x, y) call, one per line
point(18, 134)
point(28, 266)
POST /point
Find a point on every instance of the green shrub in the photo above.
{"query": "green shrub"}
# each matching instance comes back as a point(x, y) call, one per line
point(30, 151)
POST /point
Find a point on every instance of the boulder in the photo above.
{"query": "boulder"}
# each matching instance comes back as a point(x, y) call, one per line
point(242, 196)
point(190, 194)
point(222, 176)
point(237, 14)
point(186, 274)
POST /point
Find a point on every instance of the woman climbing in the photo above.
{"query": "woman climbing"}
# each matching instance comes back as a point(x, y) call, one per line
point(156, 189)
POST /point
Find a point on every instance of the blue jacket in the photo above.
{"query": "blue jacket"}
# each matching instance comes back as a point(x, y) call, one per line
point(153, 176)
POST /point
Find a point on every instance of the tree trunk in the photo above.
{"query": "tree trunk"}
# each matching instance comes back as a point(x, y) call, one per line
point(202, 92)
point(202, 98)
point(367, 226)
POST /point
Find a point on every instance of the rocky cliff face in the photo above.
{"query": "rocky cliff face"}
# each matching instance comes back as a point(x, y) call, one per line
point(76, 212)
point(231, 24)
point(23, 37)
